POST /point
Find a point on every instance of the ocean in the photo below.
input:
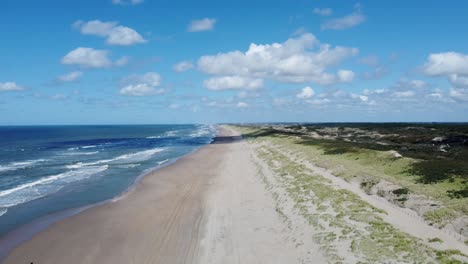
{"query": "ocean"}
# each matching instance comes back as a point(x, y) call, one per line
point(47, 169)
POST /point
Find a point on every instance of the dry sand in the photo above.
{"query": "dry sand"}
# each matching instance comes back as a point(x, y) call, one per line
point(208, 207)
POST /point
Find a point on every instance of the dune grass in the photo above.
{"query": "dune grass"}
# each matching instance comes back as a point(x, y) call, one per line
point(345, 221)
point(374, 162)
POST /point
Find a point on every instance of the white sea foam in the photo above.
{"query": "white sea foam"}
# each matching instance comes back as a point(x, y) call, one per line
point(80, 153)
point(3, 211)
point(163, 161)
point(204, 131)
point(83, 147)
point(126, 158)
point(33, 190)
point(160, 136)
point(87, 147)
point(128, 166)
point(20, 165)
point(171, 133)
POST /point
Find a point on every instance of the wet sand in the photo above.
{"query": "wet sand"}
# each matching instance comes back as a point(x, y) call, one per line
point(207, 207)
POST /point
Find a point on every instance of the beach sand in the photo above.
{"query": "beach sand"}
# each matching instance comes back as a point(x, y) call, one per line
point(208, 207)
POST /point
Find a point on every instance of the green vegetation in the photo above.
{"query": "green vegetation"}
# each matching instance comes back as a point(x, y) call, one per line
point(440, 216)
point(441, 150)
point(426, 159)
point(401, 191)
point(341, 216)
point(435, 240)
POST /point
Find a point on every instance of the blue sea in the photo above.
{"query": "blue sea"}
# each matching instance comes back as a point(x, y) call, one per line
point(47, 169)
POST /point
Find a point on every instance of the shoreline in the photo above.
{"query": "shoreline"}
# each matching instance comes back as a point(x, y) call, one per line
point(49, 223)
point(21, 234)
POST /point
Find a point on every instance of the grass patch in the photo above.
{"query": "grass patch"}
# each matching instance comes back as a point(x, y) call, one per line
point(440, 216)
point(435, 240)
point(342, 217)
point(401, 191)
point(423, 169)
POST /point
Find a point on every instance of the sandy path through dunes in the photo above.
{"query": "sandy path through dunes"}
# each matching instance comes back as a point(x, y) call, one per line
point(401, 218)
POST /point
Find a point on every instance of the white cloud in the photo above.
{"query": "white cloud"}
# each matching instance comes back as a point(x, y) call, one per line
point(10, 86)
point(323, 11)
point(345, 75)
point(114, 34)
point(87, 57)
point(183, 66)
point(122, 61)
point(319, 102)
point(204, 24)
point(297, 60)
point(70, 77)
point(458, 81)
point(345, 22)
point(142, 85)
point(417, 83)
point(404, 94)
point(306, 93)
point(363, 98)
point(454, 66)
point(233, 82)
point(447, 63)
point(124, 2)
point(459, 94)
point(242, 105)
point(140, 89)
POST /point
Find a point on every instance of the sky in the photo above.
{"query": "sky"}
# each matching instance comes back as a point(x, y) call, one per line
point(213, 61)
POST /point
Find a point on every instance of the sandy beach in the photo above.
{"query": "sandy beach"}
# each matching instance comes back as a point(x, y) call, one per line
point(208, 207)
point(242, 201)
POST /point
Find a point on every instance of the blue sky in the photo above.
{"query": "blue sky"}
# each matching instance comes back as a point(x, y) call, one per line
point(147, 61)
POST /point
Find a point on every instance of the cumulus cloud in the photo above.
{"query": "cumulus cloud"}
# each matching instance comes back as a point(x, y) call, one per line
point(404, 94)
point(458, 81)
point(183, 66)
point(70, 77)
point(233, 83)
point(323, 11)
point(124, 2)
point(306, 93)
point(142, 85)
point(297, 60)
point(363, 98)
point(410, 92)
point(453, 66)
point(345, 75)
point(460, 94)
point(417, 83)
point(10, 86)
point(242, 105)
point(88, 58)
point(112, 31)
point(446, 63)
point(345, 22)
point(204, 24)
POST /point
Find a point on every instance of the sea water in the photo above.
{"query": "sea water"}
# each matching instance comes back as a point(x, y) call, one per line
point(47, 169)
